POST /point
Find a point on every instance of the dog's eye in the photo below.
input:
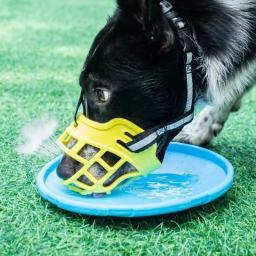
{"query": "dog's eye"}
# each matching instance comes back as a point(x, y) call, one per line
point(102, 95)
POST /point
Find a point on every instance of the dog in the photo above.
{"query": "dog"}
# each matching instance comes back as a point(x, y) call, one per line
point(135, 68)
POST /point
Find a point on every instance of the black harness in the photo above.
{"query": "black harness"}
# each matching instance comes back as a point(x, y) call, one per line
point(153, 135)
point(185, 34)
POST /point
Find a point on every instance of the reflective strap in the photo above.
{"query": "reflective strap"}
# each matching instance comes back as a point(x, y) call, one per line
point(184, 32)
point(189, 78)
point(144, 142)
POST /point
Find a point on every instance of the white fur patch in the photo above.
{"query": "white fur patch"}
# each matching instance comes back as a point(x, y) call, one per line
point(237, 86)
point(220, 88)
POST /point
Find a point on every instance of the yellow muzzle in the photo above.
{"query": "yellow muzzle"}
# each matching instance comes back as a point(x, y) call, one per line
point(102, 142)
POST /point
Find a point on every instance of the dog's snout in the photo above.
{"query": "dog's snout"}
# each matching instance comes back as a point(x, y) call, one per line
point(69, 167)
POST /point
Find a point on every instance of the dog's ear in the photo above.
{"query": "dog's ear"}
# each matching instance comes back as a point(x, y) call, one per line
point(149, 17)
point(146, 12)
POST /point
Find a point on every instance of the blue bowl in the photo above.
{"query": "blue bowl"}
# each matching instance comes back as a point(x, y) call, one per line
point(190, 176)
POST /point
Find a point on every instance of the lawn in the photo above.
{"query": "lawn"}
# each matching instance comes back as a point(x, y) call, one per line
point(42, 49)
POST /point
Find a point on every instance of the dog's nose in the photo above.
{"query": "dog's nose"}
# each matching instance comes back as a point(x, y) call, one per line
point(67, 168)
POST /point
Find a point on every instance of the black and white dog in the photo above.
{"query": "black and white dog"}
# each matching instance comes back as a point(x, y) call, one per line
point(135, 68)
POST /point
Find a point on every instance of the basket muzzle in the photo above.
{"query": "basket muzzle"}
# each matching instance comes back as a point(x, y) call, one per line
point(102, 140)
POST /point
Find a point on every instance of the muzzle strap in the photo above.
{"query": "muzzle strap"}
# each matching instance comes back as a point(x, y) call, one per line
point(151, 136)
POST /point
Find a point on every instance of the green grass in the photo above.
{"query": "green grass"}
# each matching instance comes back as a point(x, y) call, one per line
point(42, 49)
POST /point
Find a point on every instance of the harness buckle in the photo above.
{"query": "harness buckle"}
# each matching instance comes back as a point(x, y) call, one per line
point(166, 6)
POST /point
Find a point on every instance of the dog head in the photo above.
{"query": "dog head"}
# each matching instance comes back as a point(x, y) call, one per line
point(134, 70)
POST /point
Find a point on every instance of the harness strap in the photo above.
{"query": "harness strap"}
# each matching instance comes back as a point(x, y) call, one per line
point(151, 136)
point(189, 80)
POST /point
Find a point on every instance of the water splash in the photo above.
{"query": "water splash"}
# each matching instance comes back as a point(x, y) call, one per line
point(38, 138)
point(162, 186)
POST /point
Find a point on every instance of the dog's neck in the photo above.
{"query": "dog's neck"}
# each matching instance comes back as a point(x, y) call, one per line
point(222, 33)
